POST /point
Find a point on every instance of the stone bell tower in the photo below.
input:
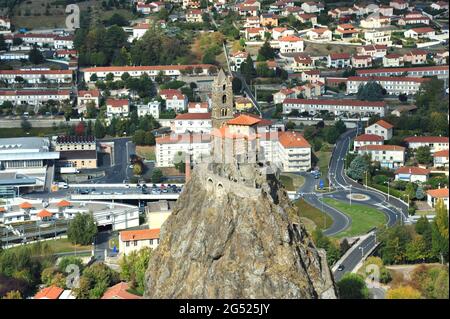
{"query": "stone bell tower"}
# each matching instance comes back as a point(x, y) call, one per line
point(222, 100)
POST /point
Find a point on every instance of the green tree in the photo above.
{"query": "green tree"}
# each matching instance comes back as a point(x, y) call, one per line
point(180, 161)
point(236, 85)
point(423, 155)
point(247, 69)
point(371, 91)
point(416, 250)
point(266, 52)
point(440, 231)
point(410, 190)
point(149, 139)
point(331, 134)
point(139, 137)
point(133, 267)
point(26, 125)
point(82, 229)
point(353, 286)
point(35, 56)
point(99, 129)
point(13, 294)
point(95, 280)
point(358, 168)
point(157, 176)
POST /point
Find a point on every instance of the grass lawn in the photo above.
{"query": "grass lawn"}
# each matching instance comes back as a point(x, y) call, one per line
point(292, 181)
point(363, 217)
point(147, 152)
point(321, 220)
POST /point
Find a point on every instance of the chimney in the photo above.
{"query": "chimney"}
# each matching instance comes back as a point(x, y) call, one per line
point(187, 169)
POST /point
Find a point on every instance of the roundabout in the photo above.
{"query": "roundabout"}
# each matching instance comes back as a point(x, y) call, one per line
point(358, 197)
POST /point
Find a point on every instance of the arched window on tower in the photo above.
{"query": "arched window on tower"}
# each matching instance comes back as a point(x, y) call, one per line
point(224, 87)
point(223, 112)
point(224, 99)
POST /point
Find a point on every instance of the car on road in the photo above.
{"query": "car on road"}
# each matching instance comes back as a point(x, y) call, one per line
point(83, 192)
point(341, 267)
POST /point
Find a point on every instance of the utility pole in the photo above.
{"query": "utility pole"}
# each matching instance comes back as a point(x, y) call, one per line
point(350, 195)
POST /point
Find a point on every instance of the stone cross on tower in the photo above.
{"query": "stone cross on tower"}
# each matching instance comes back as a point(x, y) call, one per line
point(222, 100)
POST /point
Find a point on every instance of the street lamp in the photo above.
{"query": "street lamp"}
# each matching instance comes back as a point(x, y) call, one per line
point(366, 178)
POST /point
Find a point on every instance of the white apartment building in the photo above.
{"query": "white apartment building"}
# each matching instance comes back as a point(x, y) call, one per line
point(36, 76)
point(34, 97)
point(339, 60)
point(393, 60)
point(176, 101)
point(393, 85)
point(117, 108)
point(44, 40)
point(152, 71)
point(435, 143)
point(337, 107)
point(440, 159)
point(367, 139)
point(294, 152)
point(290, 44)
point(380, 128)
point(283, 94)
point(138, 31)
point(192, 122)
point(134, 240)
point(389, 156)
point(375, 21)
point(168, 147)
point(152, 108)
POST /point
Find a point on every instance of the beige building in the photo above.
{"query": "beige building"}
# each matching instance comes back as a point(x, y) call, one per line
point(134, 240)
point(294, 152)
point(158, 212)
point(76, 151)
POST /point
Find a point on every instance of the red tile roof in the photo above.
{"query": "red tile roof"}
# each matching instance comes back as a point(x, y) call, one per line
point(443, 153)
point(384, 124)
point(369, 137)
point(423, 30)
point(291, 139)
point(244, 119)
point(290, 38)
point(335, 102)
point(44, 72)
point(438, 193)
point(119, 291)
point(201, 105)
point(145, 68)
point(193, 116)
point(94, 93)
point(64, 203)
point(51, 292)
point(337, 56)
point(411, 69)
point(139, 234)
point(117, 103)
point(44, 213)
point(427, 139)
point(25, 205)
point(413, 170)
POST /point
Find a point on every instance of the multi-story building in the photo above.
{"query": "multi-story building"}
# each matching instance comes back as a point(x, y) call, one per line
point(378, 37)
point(236, 60)
point(415, 57)
point(389, 156)
point(34, 97)
point(367, 139)
point(290, 44)
point(85, 98)
point(35, 76)
point(283, 94)
point(152, 71)
point(117, 108)
point(194, 16)
point(440, 159)
point(294, 152)
point(198, 107)
point(136, 239)
point(175, 100)
point(399, 4)
point(337, 107)
point(169, 147)
point(375, 21)
point(192, 122)
point(381, 128)
point(152, 108)
point(339, 60)
point(374, 50)
point(412, 174)
point(393, 60)
point(435, 143)
point(269, 20)
point(392, 85)
point(279, 32)
point(346, 32)
point(76, 151)
point(361, 61)
point(440, 71)
point(408, 19)
point(320, 34)
point(158, 212)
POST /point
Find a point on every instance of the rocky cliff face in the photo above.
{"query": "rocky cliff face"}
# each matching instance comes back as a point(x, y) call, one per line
point(230, 236)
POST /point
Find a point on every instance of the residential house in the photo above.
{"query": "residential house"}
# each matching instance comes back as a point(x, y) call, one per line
point(313, 7)
point(389, 156)
point(310, 90)
point(192, 122)
point(361, 61)
point(269, 20)
point(374, 50)
point(302, 62)
point(311, 76)
point(85, 98)
point(411, 19)
point(252, 22)
point(440, 5)
point(393, 60)
point(399, 110)
point(307, 18)
point(380, 128)
point(290, 44)
point(280, 32)
point(198, 107)
point(419, 33)
point(243, 104)
point(236, 60)
point(339, 60)
point(435, 143)
point(152, 108)
point(386, 11)
point(120, 291)
point(367, 139)
point(175, 100)
point(254, 33)
point(412, 174)
point(134, 240)
point(158, 212)
point(378, 37)
point(415, 56)
point(320, 34)
point(346, 32)
point(53, 292)
point(283, 94)
point(399, 4)
point(138, 31)
point(433, 195)
point(375, 21)
point(440, 159)
point(117, 108)
point(194, 16)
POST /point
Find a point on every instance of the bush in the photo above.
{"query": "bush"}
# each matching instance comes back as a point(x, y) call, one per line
point(82, 229)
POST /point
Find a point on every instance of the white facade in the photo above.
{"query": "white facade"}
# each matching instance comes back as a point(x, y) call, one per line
point(290, 44)
point(37, 76)
point(380, 128)
point(389, 156)
point(135, 240)
point(177, 102)
point(192, 122)
point(34, 97)
point(392, 85)
point(152, 108)
point(337, 107)
point(378, 37)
